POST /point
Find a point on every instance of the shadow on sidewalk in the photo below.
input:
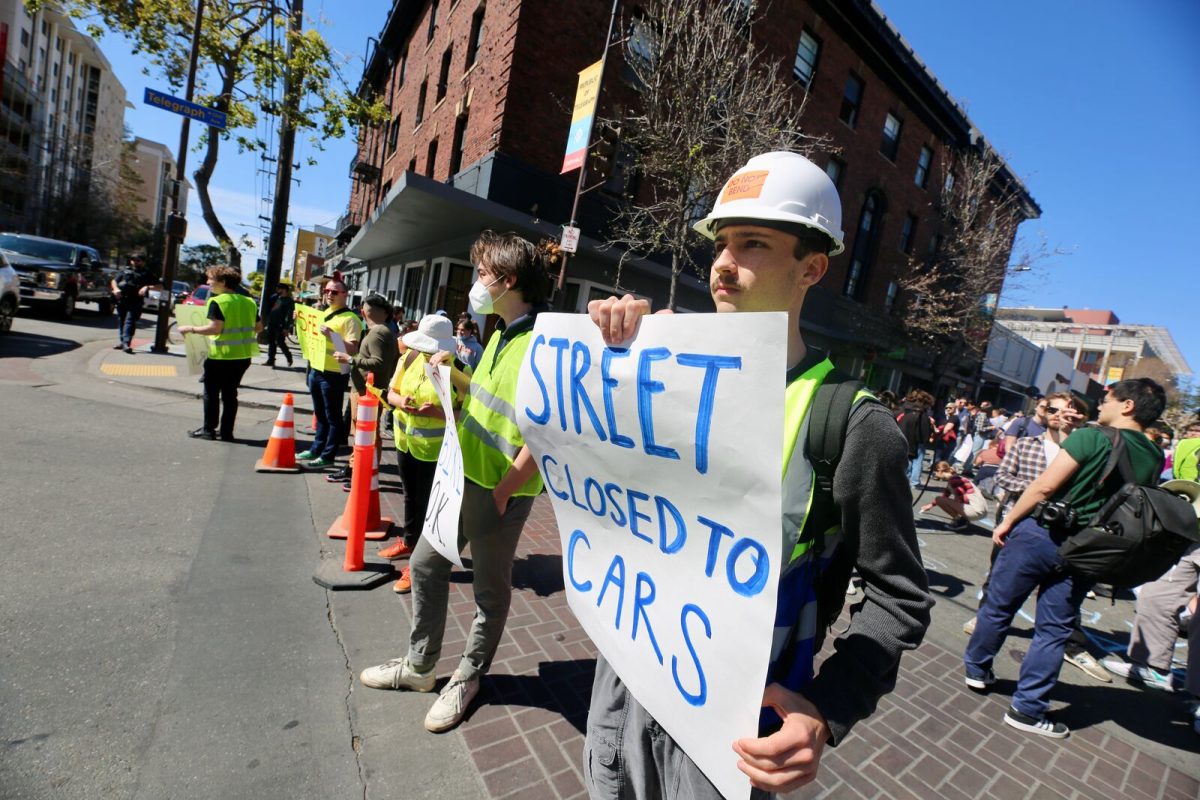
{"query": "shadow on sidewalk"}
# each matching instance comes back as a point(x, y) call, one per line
point(944, 584)
point(541, 573)
point(560, 687)
point(1153, 715)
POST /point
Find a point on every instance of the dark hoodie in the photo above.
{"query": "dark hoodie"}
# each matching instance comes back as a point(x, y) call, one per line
point(914, 424)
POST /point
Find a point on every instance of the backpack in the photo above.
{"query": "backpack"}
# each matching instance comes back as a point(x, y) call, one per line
point(828, 419)
point(1002, 448)
point(1137, 535)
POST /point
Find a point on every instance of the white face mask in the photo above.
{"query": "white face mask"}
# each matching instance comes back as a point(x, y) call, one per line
point(481, 299)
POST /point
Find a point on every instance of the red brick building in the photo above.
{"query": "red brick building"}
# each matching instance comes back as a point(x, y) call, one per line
point(479, 97)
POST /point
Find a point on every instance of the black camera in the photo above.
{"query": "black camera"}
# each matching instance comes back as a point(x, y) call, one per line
point(1056, 514)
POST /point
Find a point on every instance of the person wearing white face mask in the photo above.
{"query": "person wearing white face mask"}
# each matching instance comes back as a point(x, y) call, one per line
point(501, 483)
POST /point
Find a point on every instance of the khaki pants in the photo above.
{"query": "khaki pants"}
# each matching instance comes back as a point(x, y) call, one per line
point(493, 539)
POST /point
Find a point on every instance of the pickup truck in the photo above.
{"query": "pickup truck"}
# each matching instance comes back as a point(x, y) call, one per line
point(57, 273)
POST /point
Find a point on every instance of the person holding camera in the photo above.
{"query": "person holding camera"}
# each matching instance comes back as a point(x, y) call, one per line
point(1055, 505)
point(129, 288)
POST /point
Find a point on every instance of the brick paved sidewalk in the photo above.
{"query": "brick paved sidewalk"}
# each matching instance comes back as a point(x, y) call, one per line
point(931, 738)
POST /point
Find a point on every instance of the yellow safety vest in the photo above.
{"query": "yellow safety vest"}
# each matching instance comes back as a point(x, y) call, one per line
point(237, 338)
point(327, 362)
point(423, 434)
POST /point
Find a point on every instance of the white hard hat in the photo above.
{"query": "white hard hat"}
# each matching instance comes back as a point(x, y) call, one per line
point(780, 187)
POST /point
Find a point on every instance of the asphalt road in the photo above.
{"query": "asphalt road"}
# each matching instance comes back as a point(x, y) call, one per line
point(161, 638)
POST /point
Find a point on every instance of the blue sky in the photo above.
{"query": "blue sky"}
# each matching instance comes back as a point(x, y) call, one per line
point(1096, 105)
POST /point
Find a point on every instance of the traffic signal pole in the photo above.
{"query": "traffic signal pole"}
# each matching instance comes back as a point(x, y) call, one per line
point(283, 176)
point(562, 270)
point(177, 219)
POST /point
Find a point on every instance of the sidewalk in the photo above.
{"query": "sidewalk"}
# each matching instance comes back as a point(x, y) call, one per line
point(262, 386)
point(930, 738)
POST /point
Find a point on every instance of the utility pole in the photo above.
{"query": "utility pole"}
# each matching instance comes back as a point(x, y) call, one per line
point(562, 271)
point(287, 142)
point(177, 220)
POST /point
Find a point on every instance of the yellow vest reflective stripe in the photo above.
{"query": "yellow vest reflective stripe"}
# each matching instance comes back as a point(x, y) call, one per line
point(488, 431)
point(423, 434)
point(327, 363)
point(237, 338)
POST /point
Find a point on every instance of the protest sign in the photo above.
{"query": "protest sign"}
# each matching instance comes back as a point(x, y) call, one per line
point(195, 347)
point(445, 497)
point(663, 462)
point(308, 332)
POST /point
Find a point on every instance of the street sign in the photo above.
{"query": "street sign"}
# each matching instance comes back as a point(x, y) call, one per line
point(209, 116)
point(570, 239)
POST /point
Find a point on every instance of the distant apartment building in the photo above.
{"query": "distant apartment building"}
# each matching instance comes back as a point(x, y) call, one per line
point(478, 125)
point(1096, 341)
point(154, 165)
point(63, 115)
point(312, 245)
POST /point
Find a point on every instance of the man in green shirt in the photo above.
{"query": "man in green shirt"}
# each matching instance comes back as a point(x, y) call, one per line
point(1029, 557)
point(1187, 452)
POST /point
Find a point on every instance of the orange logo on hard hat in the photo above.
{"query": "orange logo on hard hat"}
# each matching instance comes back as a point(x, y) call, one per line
point(745, 185)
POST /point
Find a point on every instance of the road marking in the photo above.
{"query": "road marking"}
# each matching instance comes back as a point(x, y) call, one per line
point(139, 370)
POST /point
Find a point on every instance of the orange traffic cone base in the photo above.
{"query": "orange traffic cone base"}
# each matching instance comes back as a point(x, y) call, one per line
point(261, 466)
point(340, 530)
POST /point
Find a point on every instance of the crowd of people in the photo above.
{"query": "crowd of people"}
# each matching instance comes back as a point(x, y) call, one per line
point(769, 247)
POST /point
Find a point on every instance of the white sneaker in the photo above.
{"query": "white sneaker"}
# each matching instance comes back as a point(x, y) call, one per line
point(398, 674)
point(969, 626)
point(1083, 659)
point(451, 706)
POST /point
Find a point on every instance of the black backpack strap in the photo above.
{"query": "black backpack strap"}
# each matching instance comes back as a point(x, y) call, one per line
point(828, 419)
point(1117, 459)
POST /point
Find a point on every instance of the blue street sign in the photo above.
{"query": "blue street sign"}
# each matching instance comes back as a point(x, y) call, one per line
point(209, 116)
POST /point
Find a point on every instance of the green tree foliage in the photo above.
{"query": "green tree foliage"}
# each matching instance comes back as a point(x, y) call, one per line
point(194, 259)
point(241, 71)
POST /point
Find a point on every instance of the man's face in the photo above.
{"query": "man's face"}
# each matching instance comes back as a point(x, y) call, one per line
point(1040, 410)
point(335, 295)
point(756, 269)
point(1192, 432)
point(1112, 409)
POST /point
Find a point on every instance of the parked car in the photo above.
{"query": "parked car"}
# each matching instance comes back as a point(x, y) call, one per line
point(179, 293)
point(198, 297)
point(10, 296)
point(57, 273)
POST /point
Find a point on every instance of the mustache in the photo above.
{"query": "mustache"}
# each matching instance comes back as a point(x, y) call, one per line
point(723, 283)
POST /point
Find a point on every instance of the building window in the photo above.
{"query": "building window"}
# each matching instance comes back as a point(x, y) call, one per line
point(412, 165)
point(906, 234)
point(835, 169)
point(421, 103)
point(24, 36)
point(393, 135)
point(864, 244)
point(891, 137)
point(924, 162)
point(806, 58)
point(71, 58)
point(893, 289)
point(476, 41)
point(55, 69)
point(935, 244)
point(851, 100)
point(433, 9)
point(58, 43)
point(431, 158)
point(444, 74)
point(642, 44)
point(459, 144)
point(403, 69)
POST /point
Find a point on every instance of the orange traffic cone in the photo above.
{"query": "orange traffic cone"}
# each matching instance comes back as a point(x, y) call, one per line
point(280, 455)
point(378, 527)
point(355, 573)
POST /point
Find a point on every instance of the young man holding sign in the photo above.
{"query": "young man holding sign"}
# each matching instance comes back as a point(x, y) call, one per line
point(774, 227)
point(501, 483)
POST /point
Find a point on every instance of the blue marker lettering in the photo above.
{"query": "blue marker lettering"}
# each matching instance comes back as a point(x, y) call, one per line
point(576, 537)
point(640, 601)
point(701, 696)
point(589, 484)
point(581, 361)
point(571, 489)
point(610, 383)
point(617, 515)
point(666, 507)
point(712, 368)
point(635, 515)
point(543, 416)
point(646, 389)
point(762, 563)
point(561, 495)
point(714, 542)
point(613, 579)
point(560, 345)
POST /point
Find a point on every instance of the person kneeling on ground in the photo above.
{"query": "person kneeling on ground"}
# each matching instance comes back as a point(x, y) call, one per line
point(960, 499)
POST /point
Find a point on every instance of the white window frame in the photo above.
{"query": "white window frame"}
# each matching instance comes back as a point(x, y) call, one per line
point(805, 76)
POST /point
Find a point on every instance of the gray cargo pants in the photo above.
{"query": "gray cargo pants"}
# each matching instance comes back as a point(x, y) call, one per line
point(1156, 626)
point(493, 539)
point(628, 756)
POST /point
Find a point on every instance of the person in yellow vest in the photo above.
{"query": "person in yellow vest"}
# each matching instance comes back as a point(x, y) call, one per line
point(774, 227)
point(420, 427)
point(501, 483)
point(1185, 460)
point(233, 326)
point(327, 383)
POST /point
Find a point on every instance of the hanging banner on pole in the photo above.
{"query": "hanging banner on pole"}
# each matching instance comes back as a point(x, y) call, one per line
point(663, 469)
point(586, 95)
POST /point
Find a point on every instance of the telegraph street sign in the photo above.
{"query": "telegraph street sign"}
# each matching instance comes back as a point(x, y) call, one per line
point(209, 116)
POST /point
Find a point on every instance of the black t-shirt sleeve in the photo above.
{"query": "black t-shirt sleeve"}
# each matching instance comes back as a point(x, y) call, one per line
point(214, 312)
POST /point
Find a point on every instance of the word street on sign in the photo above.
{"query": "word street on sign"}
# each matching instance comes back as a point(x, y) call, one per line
point(209, 116)
point(662, 461)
